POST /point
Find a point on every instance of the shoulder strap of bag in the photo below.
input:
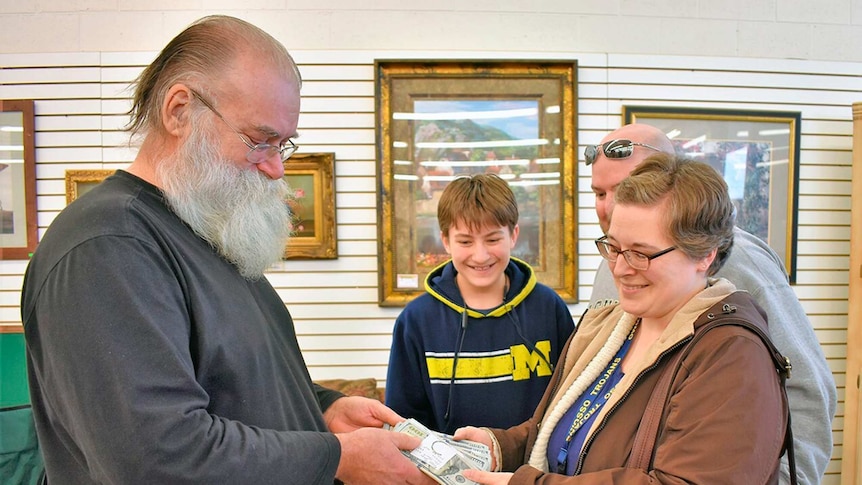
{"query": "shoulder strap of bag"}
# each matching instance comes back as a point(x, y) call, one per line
point(644, 444)
point(643, 450)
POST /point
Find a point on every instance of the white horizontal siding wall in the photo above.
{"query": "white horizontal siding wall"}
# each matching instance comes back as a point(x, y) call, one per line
point(81, 99)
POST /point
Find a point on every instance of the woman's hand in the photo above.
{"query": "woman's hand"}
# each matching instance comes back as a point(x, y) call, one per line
point(487, 478)
point(474, 434)
point(479, 435)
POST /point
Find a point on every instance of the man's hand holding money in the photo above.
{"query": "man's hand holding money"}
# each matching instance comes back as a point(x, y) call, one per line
point(442, 457)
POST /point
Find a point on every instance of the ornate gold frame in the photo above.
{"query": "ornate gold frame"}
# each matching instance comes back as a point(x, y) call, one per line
point(313, 172)
point(78, 182)
point(540, 160)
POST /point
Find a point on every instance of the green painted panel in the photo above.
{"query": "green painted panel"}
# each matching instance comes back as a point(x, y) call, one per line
point(13, 370)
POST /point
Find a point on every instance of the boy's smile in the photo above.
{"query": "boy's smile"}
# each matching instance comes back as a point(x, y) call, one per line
point(480, 256)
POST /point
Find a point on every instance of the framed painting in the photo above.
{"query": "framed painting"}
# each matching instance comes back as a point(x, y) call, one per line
point(311, 176)
point(18, 225)
point(757, 152)
point(79, 182)
point(438, 120)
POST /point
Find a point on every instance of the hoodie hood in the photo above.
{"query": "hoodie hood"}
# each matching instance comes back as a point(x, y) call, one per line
point(440, 284)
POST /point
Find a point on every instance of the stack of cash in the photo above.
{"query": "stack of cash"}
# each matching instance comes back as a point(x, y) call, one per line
point(441, 457)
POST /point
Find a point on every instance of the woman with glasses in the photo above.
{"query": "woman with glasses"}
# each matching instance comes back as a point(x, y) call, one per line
point(723, 416)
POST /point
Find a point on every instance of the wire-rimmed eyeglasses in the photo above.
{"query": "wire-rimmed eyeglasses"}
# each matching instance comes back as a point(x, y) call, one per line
point(614, 149)
point(257, 153)
point(636, 259)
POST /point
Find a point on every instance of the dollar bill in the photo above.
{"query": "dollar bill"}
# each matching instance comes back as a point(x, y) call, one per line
point(441, 457)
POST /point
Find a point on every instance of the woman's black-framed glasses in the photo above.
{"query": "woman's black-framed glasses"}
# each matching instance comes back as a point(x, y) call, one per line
point(614, 149)
point(257, 153)
point(636, 259)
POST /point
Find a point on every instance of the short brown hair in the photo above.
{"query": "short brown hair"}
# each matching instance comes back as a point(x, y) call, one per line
point(201, 53)
point(699, 210)
point(477, 200)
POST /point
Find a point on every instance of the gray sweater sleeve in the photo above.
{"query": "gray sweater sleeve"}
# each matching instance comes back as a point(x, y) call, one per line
point(754, 267)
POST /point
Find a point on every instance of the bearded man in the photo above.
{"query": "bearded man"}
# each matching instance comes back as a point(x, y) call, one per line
point(157, 351)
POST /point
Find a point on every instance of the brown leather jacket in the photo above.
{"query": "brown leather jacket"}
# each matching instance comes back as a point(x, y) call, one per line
point(726, 415)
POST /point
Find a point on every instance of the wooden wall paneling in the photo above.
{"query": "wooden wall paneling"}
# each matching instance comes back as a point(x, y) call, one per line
point(852, 451)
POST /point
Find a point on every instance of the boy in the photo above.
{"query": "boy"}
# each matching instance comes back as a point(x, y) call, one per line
point(479, 347)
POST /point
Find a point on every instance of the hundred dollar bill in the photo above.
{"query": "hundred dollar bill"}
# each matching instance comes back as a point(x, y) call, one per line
point(470, 448)
point(477, 453)
point(441, 457)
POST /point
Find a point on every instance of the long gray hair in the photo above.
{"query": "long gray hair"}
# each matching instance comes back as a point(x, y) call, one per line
point(201, 53)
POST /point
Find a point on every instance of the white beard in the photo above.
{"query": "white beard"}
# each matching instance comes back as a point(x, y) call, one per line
point(240, 212)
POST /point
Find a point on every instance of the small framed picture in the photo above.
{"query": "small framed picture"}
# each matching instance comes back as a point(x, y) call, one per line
point(18, 225)
point(79, 182)
point(758, 154)
point(311, 176)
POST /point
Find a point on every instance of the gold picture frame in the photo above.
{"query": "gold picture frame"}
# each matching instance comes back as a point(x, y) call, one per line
point(18, 224)
point(79, 182)
point(311, 176)
point(757, 152)
point(437, 120)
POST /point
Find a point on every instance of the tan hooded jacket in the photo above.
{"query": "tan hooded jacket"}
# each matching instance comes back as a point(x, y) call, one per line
point(724, 422)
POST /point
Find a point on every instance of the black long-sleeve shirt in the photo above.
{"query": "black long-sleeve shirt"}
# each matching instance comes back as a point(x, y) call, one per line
point(151, 360)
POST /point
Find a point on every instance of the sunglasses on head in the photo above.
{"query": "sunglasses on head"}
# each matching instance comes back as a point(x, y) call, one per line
point(615, 149)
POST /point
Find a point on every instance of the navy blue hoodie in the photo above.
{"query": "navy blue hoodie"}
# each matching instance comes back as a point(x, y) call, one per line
point(504, 355)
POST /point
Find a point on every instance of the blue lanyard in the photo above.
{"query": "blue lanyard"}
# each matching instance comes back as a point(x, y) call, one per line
point(593, 399)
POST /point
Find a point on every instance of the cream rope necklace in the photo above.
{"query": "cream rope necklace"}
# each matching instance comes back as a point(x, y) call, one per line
point(539, 454)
